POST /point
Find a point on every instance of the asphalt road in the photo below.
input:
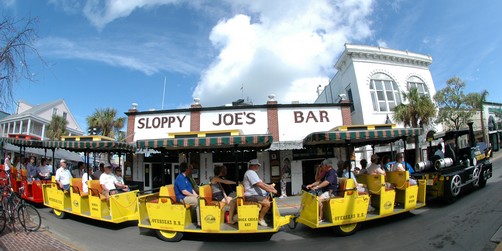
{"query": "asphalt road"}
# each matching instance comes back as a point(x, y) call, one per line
point(468, 224)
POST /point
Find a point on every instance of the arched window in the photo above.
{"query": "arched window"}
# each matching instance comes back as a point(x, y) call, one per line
point(384, 93)
point(415, 82)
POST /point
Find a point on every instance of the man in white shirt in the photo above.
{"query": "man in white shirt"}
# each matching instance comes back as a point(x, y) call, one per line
point(374, 167)
point(256, 190)
point(109, 183)
point(63, 176)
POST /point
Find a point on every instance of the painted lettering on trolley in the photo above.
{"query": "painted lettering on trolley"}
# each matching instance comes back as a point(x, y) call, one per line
point(301, 117)
point(237, 118)
point(348, 216)
point(161, 122)
point(167, 222)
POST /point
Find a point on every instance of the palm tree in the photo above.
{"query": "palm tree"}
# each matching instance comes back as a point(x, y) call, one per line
point(57, 128)
point(477, 101)
point(106, 122)
point(418, 112)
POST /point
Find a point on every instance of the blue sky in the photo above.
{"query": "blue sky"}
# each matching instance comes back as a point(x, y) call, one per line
point(114, 53)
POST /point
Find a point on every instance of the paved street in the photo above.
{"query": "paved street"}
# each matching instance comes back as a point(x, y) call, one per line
point(466, 217)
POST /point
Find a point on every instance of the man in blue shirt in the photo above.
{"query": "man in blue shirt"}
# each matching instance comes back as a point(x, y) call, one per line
point(184, 190)
point(328, 185)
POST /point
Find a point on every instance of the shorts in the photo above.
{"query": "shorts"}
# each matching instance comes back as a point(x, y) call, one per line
point(66, 187)
point(324, 196)
point(218, 196)
point(255, 198)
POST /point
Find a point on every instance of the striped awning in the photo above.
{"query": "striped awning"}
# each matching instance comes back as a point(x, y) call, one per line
point(92, 146)
point(360, 137)
point(22, 142)
point(221, 142)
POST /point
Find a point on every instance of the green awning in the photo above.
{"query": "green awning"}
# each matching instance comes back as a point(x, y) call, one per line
point(360, 137)
point(23, 142)
point(92, 146)
point(221, 142)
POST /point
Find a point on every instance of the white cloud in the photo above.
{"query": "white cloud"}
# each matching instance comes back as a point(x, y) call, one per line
point(287, 48)
point(151, 59)
point(102, 12)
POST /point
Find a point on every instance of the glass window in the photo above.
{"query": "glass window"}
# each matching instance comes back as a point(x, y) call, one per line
point(54, 111)
point(349, 94)
point(384, 93)
point(415, 82)
point(64, 115)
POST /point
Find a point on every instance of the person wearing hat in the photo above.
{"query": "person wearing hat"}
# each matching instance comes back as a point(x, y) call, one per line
point(63, 176)
point(109, 183)
point(118, 176)
point(255, 190)
point(374, 167)
point(327, 185)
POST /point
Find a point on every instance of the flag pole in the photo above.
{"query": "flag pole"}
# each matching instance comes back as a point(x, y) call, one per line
point(164, 93)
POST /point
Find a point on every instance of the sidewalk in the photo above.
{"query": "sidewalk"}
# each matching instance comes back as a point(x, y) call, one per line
point(38, 240)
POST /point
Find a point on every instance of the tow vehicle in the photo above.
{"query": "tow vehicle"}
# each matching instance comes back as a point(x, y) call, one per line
point(462, 166)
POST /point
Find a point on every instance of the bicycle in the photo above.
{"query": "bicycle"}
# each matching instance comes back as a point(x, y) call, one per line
point(14, 207)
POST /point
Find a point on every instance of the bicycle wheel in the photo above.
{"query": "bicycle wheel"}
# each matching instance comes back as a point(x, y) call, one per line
point(3, 220)
point(29, 217)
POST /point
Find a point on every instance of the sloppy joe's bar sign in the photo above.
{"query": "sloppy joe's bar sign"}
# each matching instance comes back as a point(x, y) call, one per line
point(294, 123)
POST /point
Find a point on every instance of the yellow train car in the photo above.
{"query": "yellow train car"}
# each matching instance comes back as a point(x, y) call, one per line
point(385, 196)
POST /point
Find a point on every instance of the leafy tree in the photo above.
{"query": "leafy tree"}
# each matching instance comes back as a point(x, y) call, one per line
point(106, 122)
point(57, 128)
point(476, 100)
point(418, 112)
point(455, 109)
point(17, 39)
point(498, 115)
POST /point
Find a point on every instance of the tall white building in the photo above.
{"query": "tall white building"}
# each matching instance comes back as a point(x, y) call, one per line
point(374, 78)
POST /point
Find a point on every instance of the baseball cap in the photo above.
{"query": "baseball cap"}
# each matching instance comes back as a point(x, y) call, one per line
point(62, 161)
point(374, 157)
point(254, 162)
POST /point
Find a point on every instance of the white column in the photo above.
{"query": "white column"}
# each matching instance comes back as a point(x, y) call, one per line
point(28, 128)
point(43, 132)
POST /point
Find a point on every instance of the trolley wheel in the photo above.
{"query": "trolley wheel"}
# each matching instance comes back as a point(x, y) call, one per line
point(29, 217)
point(59, 214)
point(452, 188)
point(347, 229)
point(170, 236)
point(3, 220)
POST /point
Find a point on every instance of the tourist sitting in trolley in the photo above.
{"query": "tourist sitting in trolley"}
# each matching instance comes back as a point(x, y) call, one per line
point(347, 166)
point(184, 190)
point(32, 172)
point(109, 183)
point(328, 184)
point(398, 166)
point(219, 192)
point(44, 170)
point(255, 190)
point(85, 177)
point(374, 167)
point(63, 176)
point(120, 180)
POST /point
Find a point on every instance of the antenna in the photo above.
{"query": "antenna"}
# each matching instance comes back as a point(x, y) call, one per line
point(164, 93)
